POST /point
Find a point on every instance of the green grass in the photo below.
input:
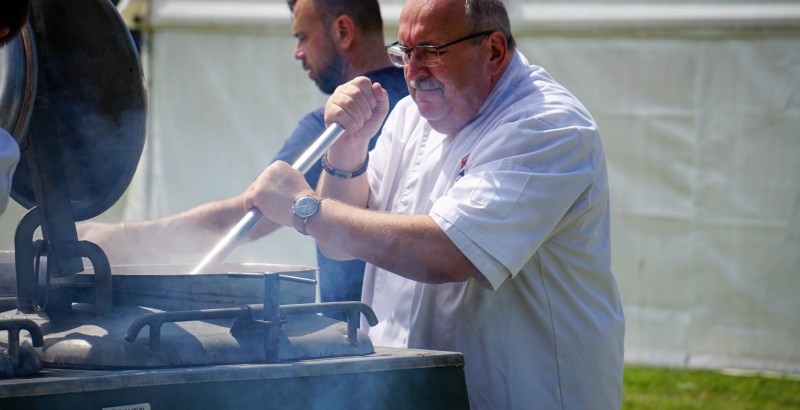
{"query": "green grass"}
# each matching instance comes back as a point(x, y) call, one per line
point(659, 388)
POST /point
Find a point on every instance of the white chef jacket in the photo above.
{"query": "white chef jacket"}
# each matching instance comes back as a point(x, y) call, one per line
point(9, 156)
point(522, 191)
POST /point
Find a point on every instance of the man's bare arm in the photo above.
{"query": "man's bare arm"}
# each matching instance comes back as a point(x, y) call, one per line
point(193, 231)
point(412, 246)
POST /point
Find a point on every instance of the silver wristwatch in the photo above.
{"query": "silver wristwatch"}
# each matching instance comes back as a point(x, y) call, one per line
point(304, 208)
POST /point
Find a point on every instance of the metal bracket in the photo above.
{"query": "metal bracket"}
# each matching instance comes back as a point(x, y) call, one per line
point(17, 364)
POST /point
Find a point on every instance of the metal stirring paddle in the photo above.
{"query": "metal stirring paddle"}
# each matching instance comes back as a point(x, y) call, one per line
point(302, 164)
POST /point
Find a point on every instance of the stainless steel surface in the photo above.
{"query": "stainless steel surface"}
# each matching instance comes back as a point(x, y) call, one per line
point(228, 242)
point(302, 164)
point(384, 359)
point(313, 153)
point(387, 379)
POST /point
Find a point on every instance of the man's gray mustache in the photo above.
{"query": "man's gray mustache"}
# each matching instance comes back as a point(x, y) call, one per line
point(426, 84)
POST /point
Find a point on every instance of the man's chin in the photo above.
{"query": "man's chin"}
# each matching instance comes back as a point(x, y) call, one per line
point(429, 102)
point(430, 111)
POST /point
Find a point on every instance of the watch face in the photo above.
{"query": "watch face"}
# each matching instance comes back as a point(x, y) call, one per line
point(305, 207)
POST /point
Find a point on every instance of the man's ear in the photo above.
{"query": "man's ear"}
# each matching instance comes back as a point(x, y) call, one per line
point(343, 32)
point(499, 50)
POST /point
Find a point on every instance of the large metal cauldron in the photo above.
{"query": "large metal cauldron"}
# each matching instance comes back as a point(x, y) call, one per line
point(247, 313)
point(80, 147)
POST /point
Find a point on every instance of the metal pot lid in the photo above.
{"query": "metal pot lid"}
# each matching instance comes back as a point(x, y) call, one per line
point(90, 107)
point(17, 83)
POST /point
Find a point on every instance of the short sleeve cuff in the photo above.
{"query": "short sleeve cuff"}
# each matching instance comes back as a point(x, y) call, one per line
point(493, 271)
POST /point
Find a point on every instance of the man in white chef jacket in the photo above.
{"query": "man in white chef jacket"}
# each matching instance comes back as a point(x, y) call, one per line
point(482, 213)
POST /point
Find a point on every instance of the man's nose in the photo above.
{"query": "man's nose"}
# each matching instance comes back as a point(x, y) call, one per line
point(414, 57)
point(414, 67)
point(298, 52)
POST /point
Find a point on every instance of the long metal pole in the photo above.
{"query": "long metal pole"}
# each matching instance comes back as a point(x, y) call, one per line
point(302, 164)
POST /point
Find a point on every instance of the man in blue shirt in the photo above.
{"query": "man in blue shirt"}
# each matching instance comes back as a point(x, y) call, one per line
point(337, 40)
point(338, 280)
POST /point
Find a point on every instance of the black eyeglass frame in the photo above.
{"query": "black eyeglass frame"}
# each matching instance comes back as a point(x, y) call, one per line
point(406, 51)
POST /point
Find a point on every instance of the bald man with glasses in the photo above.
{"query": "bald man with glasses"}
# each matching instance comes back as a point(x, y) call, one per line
point(482, 213)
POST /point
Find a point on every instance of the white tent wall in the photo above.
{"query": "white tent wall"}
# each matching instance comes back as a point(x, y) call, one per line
point(700, 118)
point(225, 92)
point(698, 104)
point(702, 142)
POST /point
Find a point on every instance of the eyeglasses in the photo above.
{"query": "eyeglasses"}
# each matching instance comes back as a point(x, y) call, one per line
point(426, 55)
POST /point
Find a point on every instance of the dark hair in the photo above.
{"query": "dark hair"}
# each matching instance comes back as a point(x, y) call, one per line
point(14, 15)
point(485, 15)
point(366, 14)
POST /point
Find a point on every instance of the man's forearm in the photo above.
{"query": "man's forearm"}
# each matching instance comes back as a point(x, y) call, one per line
point(412, 246)
point(193, 231)
point(350, 191)
point(199, 228)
